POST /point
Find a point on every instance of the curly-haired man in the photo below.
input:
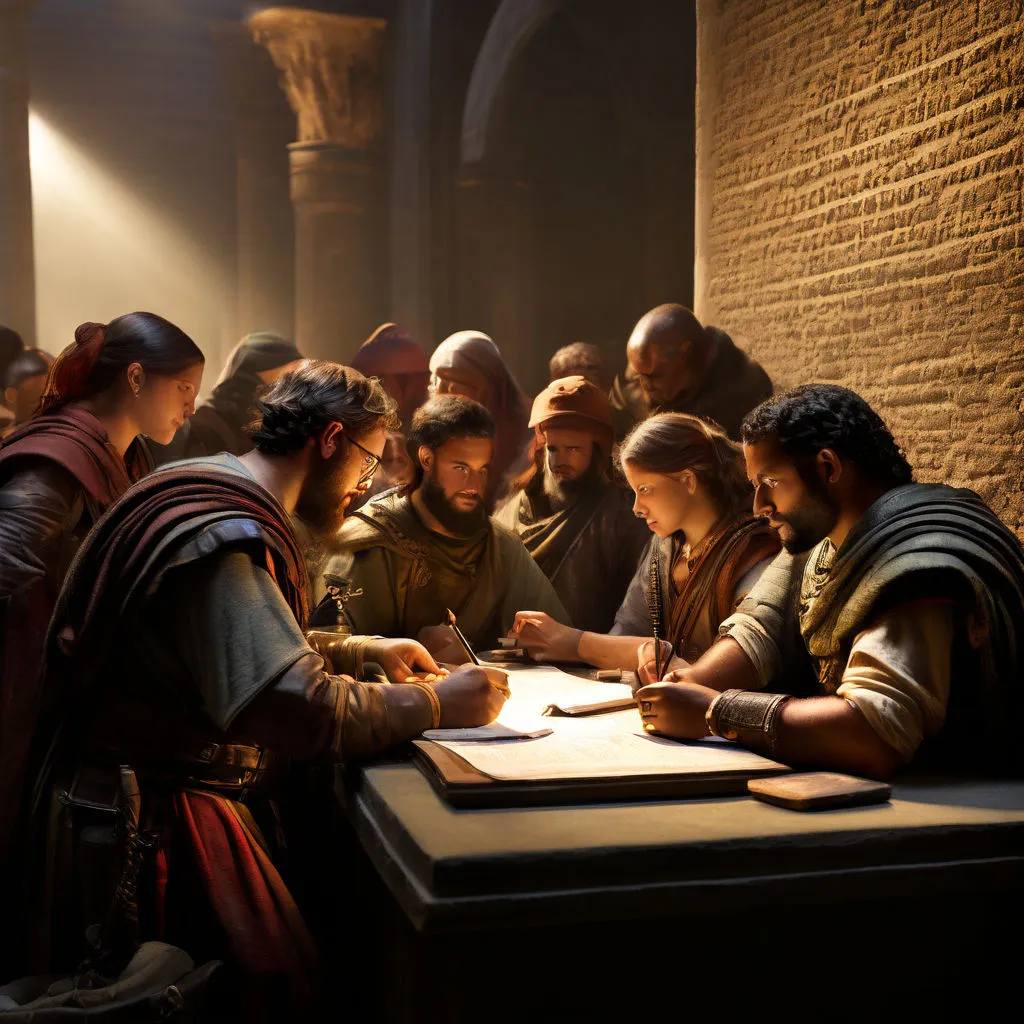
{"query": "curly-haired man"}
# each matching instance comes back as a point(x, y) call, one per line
point(177, 648)
point(887, 624)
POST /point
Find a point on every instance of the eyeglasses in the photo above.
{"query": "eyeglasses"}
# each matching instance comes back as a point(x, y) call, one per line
point(370, 463)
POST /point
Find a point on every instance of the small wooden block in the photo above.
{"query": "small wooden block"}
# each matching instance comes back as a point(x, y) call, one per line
point(505, 655)
point(818, 791)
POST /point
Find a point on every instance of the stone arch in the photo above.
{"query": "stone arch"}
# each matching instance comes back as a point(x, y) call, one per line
point(513, 26)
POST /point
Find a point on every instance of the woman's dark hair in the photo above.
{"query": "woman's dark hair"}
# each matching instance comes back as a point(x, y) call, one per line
point(811, 417)
point(673, 441)
point(101, 352)
point(304, 401)
point(440, 419)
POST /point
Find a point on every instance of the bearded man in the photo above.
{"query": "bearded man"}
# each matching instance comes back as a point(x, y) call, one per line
point(411, 555)
point(675, 364)
point(576, 522)
point(177, 648)
point(889, 625)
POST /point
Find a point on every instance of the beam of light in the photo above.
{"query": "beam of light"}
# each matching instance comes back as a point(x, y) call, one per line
point(101, 251)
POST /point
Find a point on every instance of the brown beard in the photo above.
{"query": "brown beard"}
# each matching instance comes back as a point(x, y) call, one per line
point(462, 524)
point(320, 501)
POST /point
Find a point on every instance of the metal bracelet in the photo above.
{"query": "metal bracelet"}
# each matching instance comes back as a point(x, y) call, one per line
point(714, 711)
point(749, 717)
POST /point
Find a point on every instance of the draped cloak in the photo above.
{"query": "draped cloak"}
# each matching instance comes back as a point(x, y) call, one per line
point(722, 567)
point(59, 473)
point(917, 542)
point(180, 514)
point(589, 549)
point(408, 575)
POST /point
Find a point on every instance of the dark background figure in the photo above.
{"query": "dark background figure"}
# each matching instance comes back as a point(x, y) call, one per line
point(469, 363)
point(58, 473)
point(24, 381)
point(678, 365)
point(579, 358)
point(11, 346)
point(221, 424)
point(399, 362)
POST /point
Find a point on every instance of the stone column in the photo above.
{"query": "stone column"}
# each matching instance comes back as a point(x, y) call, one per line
point(264, 126)
point(494, 261)
point(330, 68)
point(17, 267)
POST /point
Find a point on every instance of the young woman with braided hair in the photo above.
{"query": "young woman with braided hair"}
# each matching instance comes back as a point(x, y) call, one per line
point(138, 375)
point(706, 552)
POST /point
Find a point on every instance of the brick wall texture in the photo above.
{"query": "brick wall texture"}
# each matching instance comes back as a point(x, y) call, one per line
point(859, 171)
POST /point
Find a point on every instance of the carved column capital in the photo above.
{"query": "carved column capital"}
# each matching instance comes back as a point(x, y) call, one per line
point(330, 67)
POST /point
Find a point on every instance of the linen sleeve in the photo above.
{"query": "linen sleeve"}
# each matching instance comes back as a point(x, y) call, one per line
point(898, 673)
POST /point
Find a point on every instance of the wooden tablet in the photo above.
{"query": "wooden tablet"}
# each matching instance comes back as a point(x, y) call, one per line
point(818, 791)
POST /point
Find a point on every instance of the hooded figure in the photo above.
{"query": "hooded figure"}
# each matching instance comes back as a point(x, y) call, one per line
point(399, 361)
point(469, 363)
point(220, 423)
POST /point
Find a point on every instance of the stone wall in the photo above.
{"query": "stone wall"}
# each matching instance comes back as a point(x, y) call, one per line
point(859, 213)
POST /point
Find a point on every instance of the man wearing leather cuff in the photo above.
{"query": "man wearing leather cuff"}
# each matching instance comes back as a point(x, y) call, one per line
point(178, 648)
point(889, 618)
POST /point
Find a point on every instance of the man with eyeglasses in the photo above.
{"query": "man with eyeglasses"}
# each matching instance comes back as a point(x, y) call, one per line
point(886, 630)
point(410, 555)
point(677, 365)
point(177, 648)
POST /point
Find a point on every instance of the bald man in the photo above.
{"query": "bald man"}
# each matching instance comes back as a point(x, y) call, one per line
point(677, 365)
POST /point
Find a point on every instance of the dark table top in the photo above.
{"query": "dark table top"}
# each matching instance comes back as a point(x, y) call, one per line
point(475, 869)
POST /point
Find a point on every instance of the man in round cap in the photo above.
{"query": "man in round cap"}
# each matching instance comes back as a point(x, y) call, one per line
point(575, 521)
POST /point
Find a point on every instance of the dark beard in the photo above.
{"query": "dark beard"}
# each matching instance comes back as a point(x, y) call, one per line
point(812, 523)
point(319, 505)
point(462, 524)
point(563, 493)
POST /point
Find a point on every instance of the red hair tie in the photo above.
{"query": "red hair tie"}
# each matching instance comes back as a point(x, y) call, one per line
point(68, 379)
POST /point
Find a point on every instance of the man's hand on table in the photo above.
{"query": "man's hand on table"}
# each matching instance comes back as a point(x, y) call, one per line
point(401, 659)
point(545, 639)
point(472, 695)
point(675, 709)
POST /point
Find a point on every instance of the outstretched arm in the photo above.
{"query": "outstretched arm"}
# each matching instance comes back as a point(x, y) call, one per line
point(893, 693)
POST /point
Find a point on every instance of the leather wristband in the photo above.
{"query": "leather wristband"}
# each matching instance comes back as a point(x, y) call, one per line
point(435, 701)
point(749, 717)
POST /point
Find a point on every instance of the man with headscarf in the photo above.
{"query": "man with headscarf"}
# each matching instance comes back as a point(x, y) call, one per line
point(575, 521)
point(410, 557)
point(469, 363)
point(221, 424)
point(677, 365)
point(399, 362)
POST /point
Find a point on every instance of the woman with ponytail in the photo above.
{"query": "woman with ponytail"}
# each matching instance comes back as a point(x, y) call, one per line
point(136, 377)
point(707, 551)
